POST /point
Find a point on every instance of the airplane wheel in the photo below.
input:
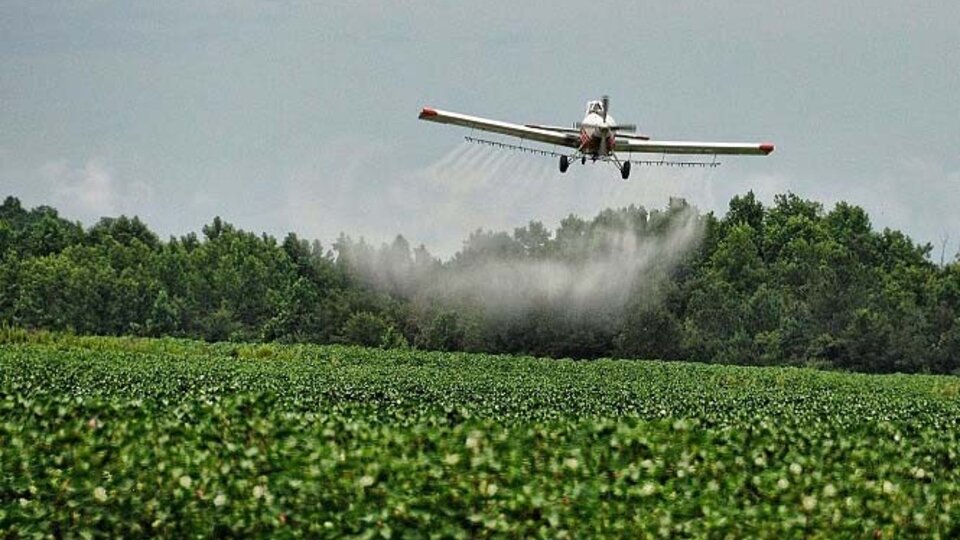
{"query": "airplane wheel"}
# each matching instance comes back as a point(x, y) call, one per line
point(583, 160)
point(564, 164)
point(625, 170)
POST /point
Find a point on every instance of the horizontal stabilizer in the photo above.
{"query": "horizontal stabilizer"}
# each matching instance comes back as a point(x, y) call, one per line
point(574, 130)
point(615, 127)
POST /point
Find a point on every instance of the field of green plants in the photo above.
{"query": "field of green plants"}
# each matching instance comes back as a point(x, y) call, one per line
point(126, 437)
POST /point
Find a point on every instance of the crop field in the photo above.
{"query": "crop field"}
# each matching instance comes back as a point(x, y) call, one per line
point(126, 437)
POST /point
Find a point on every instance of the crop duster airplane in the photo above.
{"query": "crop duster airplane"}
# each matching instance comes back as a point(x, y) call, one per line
point(597, 137)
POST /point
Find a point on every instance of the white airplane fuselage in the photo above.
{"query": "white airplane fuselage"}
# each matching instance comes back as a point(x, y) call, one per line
point(597, 135)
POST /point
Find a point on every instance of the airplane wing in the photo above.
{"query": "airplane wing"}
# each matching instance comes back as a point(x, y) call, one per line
point(688, 147)
point(539, 134)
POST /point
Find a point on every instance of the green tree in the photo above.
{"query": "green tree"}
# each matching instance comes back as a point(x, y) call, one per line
point(746, 210)
point(221, 325)
point(650, 332)
point(443, 333)
point(367, 329)
point(297, 315)
point(123, 230)
point(164, 319)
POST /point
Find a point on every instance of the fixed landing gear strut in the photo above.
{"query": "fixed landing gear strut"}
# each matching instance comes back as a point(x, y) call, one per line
point(566, 160)
point(624, 166)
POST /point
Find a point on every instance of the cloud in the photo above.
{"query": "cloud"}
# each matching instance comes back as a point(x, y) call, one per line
point(91, 191)
point(918, 197)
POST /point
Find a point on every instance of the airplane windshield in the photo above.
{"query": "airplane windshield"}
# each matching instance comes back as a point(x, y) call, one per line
point(596, 107)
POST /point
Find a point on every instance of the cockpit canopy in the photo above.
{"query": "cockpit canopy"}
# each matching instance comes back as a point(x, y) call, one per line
point(595, 107)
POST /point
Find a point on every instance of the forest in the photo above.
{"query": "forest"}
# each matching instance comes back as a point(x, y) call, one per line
point(790, 283)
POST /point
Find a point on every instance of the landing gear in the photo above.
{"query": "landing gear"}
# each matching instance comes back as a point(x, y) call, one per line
point(623, 166)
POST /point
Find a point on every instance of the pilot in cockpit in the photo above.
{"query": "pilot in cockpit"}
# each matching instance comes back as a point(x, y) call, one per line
point(596, 107)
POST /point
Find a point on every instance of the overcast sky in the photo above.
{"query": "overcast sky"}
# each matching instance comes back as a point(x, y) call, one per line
point(283, 116)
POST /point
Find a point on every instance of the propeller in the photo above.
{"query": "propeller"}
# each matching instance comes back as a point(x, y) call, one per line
point(616, 127)
point(612, 126)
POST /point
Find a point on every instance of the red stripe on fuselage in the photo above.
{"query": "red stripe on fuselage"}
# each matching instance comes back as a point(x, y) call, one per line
point(592, 144)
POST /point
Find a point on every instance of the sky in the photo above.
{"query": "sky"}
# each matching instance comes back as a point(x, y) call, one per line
point(302, 116)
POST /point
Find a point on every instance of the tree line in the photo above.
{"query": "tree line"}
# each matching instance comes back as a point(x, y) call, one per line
point(789, 283)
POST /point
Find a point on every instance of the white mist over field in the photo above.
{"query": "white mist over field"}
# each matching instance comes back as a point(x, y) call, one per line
point(590, 269)
point(594, 273)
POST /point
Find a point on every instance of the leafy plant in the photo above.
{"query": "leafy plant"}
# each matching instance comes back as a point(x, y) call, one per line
point(137, 437)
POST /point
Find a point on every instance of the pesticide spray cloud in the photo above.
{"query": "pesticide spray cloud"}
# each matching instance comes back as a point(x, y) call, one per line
point(595, 265)
point(585, 267)
point(597, 271)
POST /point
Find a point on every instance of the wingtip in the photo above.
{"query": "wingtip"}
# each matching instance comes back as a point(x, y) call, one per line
point(427, 112)
point(766, 148)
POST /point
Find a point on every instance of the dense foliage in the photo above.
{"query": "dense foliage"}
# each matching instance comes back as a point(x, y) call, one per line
point(130, 438)
point(785, 284)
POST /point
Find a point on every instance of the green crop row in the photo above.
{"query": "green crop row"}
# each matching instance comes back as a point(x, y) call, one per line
point(169, 438)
